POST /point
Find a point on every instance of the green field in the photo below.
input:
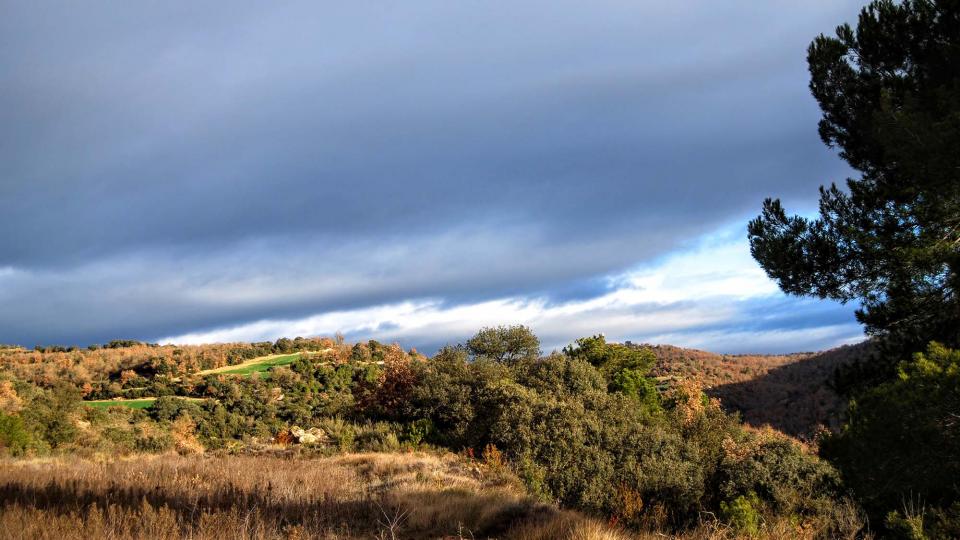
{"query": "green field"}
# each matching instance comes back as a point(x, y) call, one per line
point(139, 403)
point(131, 403)
point(261, 366)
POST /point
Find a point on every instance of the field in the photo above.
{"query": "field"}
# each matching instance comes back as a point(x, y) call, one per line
point(142, 403)
point(257, 365)
point(262, 364)
point(410, 495)
point(139, 403)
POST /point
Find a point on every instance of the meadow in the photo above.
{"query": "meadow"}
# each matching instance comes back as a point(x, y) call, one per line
point(257, 365)
point(131, 403)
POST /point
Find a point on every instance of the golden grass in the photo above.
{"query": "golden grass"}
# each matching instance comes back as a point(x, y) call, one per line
point(352, 496)
point(412, 495)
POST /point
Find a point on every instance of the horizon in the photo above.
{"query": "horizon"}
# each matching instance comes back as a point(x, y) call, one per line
point(222, 173)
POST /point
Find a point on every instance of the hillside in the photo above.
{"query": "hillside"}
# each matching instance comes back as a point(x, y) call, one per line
point(790, 392)
point(313, 438)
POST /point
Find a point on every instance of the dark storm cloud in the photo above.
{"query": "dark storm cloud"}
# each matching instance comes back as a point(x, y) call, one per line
point(166, 168)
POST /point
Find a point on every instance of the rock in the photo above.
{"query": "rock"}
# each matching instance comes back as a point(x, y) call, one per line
point(309, 436)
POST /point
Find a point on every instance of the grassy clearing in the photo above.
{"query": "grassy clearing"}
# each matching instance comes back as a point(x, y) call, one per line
point(139, 403)
point(261, 364)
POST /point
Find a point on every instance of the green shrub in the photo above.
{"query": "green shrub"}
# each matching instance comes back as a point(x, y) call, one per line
point(560, 376)
point(153, 443)
point(50, 415)
point(341, 432)
point(626, 369)
point(898, 443)
point(122, 439)
point(14, 437)
point(372, 437)
point(418, 431)
point(780, 472)
point(905, 526)
point(742, 514)
point(169, 408)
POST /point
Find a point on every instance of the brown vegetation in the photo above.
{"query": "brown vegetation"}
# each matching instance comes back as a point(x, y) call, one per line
point(586, 429)
point(121, 364)
point(791, 393)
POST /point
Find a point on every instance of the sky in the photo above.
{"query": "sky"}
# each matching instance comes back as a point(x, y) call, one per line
point(407, 171)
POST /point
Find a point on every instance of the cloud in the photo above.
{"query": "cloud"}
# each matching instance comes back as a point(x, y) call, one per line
point(712, 296)
point(175, 169)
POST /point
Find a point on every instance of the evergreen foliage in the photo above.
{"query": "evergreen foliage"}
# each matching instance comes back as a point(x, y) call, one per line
point(890, 95)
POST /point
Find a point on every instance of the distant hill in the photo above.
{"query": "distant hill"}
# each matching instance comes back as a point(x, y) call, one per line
point(790, 392)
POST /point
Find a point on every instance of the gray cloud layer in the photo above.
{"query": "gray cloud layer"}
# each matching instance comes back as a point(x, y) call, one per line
point(166, 167)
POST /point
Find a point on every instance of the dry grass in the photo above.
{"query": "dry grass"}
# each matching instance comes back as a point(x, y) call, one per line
point(373, 496)
point(246, 497)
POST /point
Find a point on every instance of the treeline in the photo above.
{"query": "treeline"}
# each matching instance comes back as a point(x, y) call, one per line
point(113, 344)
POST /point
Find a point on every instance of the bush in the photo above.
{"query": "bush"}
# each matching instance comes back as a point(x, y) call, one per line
point(14, 437)
point(49, 415)
point(584, 429)
point(372, 437)
point(901, 440)
point(153, 443)
point(791, 481)
point(418, 431)
point(122, 439)
point(742, 514)
point(626, 369)
point(169, 408)
point(342, 433)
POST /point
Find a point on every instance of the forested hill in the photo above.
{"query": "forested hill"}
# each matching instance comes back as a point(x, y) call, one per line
point(790, 392)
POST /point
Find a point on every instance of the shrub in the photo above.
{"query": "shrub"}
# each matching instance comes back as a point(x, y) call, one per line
point(122, 439)
point(626, 369)
point(418, 431)
point(14, 437)
point(342, 433)
point(153, 443)
point(901, 440)
point(168, 408)
point(49, 415)
point(371, 437)
point(771, 465)
point(742, 514)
